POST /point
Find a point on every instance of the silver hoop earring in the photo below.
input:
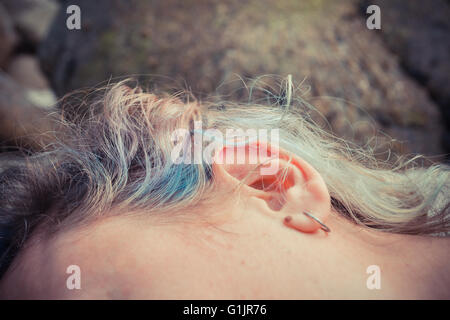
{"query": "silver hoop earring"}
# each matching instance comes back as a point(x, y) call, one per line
point(322, 225)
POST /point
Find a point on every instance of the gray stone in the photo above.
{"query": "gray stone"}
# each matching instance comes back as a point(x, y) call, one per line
point(32, 17)
point(8, 36)
point(419, 33)
point(25, 69)
point(21, 122)
point(355, 81)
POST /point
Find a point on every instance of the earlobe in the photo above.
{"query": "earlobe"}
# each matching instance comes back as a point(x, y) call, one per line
point(295, 223)
point(293, 188)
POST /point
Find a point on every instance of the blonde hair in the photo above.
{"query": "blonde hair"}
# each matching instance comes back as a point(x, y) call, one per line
point(113, 149)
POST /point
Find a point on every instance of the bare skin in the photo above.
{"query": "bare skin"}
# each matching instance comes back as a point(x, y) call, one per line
point(244, 249)
point(255, 257)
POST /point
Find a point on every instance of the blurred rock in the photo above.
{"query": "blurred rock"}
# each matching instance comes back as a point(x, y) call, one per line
point(354, 80)
point(8, 36)
point(61, 56)
point(419, 33)
point(25, 70)
point(21, 122)
point(43, 98)
point(32, 17)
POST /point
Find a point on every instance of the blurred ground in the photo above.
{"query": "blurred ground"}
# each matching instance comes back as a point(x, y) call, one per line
point(392, 80)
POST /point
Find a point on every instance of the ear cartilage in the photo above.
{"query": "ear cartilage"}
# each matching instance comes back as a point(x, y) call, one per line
point(322, 225)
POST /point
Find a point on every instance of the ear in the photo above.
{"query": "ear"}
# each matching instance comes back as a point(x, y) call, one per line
point(286, 183)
